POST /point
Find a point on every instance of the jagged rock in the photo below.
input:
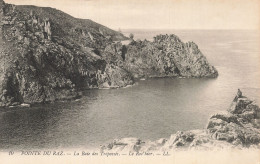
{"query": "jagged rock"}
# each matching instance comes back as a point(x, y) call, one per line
point(227, 130)
point(238, 105)
point(238, 124)
point(165, 56)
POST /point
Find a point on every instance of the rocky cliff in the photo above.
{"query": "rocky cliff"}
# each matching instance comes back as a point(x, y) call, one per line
point(47, 55)
point(167, 55)
point(239, 127)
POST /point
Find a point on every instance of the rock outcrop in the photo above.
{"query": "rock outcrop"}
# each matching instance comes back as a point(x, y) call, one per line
point(47, 55)
point(167, 55)
point(239, 127)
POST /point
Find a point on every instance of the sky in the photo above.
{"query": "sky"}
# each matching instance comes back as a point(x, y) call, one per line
point(160, 14)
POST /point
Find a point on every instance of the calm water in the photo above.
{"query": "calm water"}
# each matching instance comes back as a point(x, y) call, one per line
point(153, 109)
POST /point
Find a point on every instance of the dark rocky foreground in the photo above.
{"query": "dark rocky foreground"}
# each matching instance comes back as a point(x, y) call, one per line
point(47, 55)
point(239, 127)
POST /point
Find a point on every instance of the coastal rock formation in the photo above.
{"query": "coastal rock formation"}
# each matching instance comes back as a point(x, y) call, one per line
point(237, 128)
point(47, 55)
point(167, 55)
point(240, 126)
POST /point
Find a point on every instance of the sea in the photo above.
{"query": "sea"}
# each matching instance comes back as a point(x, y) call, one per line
point(151, 109)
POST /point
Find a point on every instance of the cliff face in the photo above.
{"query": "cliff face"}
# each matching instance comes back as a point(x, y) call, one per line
point(47, 55)
point(239, 127)
point(167, 55)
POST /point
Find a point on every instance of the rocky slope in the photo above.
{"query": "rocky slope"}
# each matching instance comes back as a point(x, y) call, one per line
point(167, 55)
point(47, 55)
point(239, 127)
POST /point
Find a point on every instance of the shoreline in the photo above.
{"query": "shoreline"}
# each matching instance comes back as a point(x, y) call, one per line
point(236, 128)
point(79, 93)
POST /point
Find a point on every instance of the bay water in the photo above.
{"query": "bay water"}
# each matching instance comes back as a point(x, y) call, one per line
point(151, 109)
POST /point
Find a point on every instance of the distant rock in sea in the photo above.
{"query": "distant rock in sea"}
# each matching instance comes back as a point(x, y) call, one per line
point(239, 127)
point(47, 55)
